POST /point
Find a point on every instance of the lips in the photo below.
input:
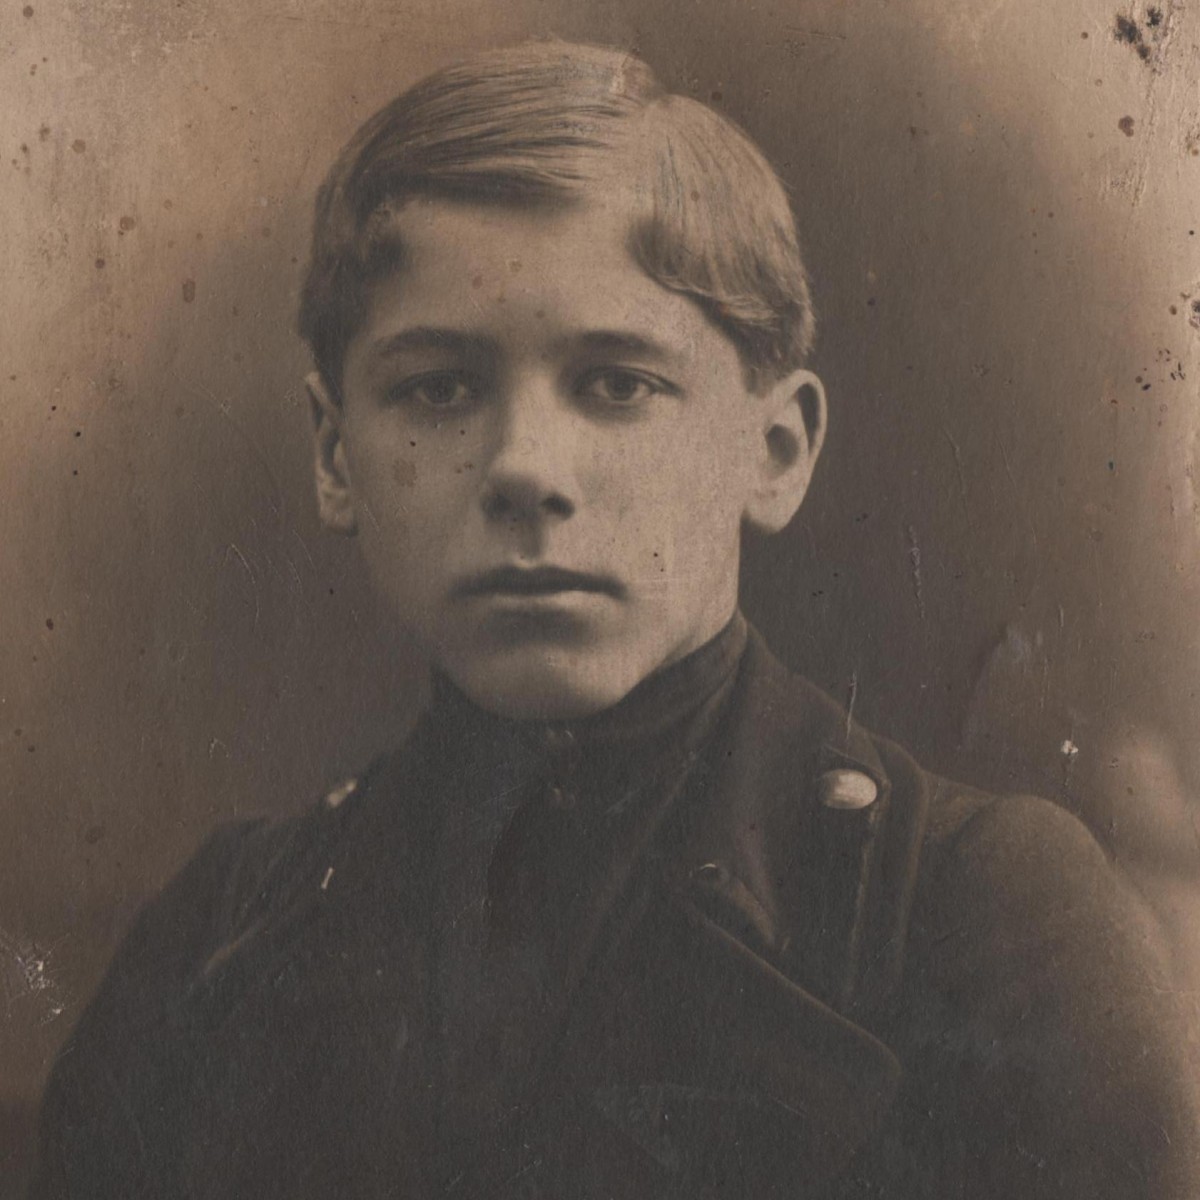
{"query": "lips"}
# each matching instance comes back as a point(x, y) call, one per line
point(536, 581)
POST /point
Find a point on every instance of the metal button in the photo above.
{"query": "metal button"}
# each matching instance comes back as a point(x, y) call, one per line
point(335, 796)
point(712, 872)
point(558, 739)
point(847, 790)
point(563, 798)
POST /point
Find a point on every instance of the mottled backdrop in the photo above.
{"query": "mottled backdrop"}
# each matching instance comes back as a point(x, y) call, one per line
point(999, 562)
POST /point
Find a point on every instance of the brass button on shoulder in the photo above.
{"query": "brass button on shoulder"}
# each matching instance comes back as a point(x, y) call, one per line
point(847, 790)
point(337, 796)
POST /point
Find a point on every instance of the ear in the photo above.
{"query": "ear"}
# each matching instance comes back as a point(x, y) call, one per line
point(792, 434)
point(335, 500)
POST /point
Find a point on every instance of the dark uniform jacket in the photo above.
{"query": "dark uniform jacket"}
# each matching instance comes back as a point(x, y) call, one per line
point(807, 969)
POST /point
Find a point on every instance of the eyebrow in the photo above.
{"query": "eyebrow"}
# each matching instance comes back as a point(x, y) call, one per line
point(624, 342)
point(603, 341)
point(428, 337)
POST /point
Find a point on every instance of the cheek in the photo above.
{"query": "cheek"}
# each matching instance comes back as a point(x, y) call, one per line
point(679, 517)
point(698, 478)
point(676, 467)
point(664, 460)
point(404, 477)
point(388, 486)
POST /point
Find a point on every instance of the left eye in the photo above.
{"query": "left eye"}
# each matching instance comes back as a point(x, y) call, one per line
point(619, 387)
point(436, 389)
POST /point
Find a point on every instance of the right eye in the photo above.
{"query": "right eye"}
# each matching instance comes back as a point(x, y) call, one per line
point(434, 389)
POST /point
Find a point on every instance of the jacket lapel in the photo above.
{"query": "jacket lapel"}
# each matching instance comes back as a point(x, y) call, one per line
point(719, 1023)
point(834, 883)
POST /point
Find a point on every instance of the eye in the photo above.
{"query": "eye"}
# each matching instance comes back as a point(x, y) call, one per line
point(435, 389)
point(620, 386)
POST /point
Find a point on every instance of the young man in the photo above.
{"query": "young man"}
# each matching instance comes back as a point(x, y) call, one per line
point(635, 912)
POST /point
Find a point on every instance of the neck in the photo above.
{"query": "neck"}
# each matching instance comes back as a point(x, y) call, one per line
point(659, 703)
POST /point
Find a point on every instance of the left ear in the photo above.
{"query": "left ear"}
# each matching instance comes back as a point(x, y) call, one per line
point(792, 434)
point(335, 496)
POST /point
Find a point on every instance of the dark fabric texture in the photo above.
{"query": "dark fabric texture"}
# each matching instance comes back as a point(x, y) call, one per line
point(515, 904)
point(734, 990)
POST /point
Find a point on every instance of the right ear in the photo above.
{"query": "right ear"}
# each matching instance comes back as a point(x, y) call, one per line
point(335, 498)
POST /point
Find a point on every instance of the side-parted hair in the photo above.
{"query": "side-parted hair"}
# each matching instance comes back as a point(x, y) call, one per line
point(536, 125)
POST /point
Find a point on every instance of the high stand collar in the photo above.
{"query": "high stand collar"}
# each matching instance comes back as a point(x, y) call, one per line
point(656, 708)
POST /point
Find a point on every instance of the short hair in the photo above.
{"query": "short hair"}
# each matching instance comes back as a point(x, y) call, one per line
point(527, 125)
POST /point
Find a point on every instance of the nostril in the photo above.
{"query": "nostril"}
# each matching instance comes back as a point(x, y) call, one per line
point(497, 505)
point(521, 504)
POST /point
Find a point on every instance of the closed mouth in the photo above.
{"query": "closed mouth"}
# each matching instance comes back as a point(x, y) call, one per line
point(536, 581)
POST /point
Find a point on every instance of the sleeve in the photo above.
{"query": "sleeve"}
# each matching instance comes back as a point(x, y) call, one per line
point(1064, 1065)
point(93, 1140)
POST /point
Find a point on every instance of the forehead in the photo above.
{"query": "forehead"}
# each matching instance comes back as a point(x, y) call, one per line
point(526, 271)
point(516, 249)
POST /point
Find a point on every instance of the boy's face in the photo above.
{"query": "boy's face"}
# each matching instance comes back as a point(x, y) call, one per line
point(548, 456)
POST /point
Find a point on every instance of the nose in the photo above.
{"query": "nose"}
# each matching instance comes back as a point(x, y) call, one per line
point(529, 477)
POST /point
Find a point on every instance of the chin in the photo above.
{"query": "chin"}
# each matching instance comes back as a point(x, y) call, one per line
point(543, 688)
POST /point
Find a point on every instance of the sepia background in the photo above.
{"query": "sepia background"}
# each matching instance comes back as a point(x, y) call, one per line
point(999, 564)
